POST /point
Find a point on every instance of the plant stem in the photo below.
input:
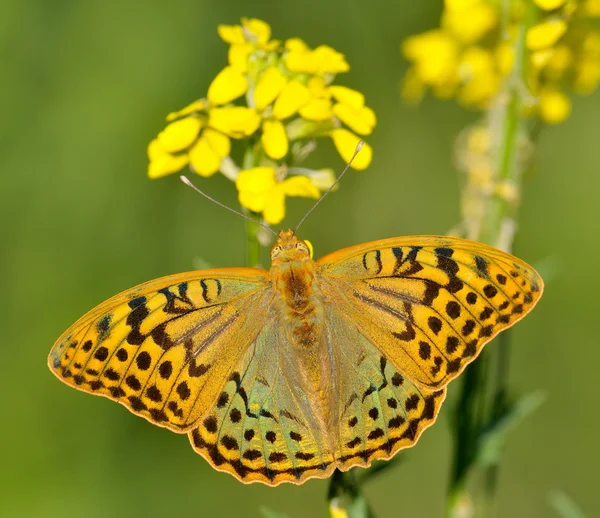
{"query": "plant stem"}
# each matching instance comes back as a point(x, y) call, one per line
point(473, 413)
point(252, 244)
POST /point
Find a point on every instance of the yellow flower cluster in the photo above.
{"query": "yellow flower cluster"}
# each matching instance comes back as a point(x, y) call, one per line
point(278, 97)
point(472, 52)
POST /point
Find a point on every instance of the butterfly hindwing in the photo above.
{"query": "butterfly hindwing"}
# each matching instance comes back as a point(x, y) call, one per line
point(430, 303)
point(263, 426)
point(377, 410)
point(164, 348)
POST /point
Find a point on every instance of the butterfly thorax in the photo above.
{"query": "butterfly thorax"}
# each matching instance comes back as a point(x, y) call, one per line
point(297, 296)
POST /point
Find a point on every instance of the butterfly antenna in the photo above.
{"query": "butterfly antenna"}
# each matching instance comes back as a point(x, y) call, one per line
point(358, 148)
point(186, 181)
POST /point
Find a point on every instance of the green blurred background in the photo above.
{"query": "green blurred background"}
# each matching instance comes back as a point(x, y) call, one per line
point(85, 86)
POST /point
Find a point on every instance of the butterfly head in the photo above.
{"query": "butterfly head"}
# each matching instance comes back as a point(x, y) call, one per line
point(289, 248)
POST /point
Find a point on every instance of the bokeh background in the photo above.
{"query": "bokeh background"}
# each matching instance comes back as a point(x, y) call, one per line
point(86, 85)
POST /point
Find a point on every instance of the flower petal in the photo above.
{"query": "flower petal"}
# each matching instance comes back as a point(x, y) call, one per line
point(179, 134)
point(292, 97)
point(346, 142)
point(549, 5)
point(299, 186)
point(203, 159)
point(238, 56)
point(196, 106)
point(274, 139)
point(545, 34)
point(296, 45)
point(555, 106)
point(253, 185)
point(269, 86)
point(231, 33)
point(361, 121)
point(256, 30)
point(163, 163)
point(317, 110)
point(318, 88)
point(274, 206)
point(255, 180)
point(234, 121)
point(348, 96)
point(229, 84)
point(218, 142)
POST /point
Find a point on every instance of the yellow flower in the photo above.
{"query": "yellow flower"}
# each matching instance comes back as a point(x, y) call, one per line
point(478, 73)
point(234, 121)
point(244, 39)
point(469, 20)
point(179, 134)
point(208, 151)
point(274, 139)
point(292, 96)
point(322, 60)
point(345, 142)
point(555, 106)
point(545, 34)
point(549, 5)
point(260, 191)
point(269, 86)
point(163, 163)
point(192, 139)
point(435, 55)
point(229, 84)
point(252, 30)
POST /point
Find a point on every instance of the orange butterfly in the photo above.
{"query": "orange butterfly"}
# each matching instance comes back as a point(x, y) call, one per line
point(284, 375)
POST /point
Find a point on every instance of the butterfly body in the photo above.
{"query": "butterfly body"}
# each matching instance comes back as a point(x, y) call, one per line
point(287, 374)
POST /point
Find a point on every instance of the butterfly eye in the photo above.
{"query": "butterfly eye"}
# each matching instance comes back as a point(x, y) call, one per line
point(276, 250)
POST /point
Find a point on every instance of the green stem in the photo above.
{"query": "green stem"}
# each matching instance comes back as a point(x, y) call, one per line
point(252, 244)
point(473, 412)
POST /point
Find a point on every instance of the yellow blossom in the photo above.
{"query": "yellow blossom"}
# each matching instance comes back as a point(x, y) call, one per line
point(345, 142)
point(206, 154)
point(360, 120)
point(179, 134)
point(293, 95)
point(435, 55)
point(269, 86)
point(555, 106)
point(234, 121)
point(196, 106)
point(229, 84)
point(163, 163)
point(322, 60)
point(317, 110)
point(251, 30)
point(469, 21)
point(260, 191)
point(274, 139)
point(549, 5)
point(545, 34)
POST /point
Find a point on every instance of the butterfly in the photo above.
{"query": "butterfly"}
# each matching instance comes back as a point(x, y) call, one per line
point(287, 374)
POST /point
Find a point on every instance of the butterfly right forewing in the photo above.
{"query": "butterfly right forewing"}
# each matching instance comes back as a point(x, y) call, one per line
point(430, 303)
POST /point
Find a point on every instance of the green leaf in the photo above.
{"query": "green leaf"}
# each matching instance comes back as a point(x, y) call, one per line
point(268, 513)
point(492, 439)
point(564, 506)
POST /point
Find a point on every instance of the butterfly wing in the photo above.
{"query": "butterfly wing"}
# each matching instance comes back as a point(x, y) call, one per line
point(429, 303)
point(165, 348)
point(262, 427)
point(376, 410)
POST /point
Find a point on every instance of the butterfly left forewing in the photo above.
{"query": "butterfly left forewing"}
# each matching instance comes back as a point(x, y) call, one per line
point(430, 303)
point(163, 348)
